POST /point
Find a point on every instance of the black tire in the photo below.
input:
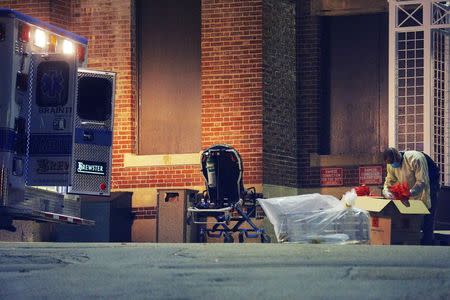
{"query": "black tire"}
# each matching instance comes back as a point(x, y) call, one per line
point(202, 237)
point(241, 237)
point(265, 239)
point(228, 238)
point(189, 219)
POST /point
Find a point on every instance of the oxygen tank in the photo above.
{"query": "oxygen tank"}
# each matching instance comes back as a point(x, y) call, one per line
point(210, 169)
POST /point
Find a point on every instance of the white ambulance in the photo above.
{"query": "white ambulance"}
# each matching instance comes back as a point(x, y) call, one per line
point(56, 121)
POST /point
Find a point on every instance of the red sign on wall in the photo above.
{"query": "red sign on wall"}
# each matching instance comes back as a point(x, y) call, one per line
point(331, 177)
point(370, 175)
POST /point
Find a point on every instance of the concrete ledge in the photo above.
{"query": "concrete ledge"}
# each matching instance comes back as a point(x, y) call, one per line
point(347, 7)
point(342, 160)
point(271, 191)
point(133, 160)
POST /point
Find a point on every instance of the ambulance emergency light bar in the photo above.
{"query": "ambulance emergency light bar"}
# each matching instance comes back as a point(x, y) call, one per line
point(46, 37)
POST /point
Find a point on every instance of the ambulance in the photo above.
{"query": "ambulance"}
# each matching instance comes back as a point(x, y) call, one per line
point(56, 122)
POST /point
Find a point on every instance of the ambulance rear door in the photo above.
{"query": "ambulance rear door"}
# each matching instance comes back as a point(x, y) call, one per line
point(52, 79)
point(93, 133)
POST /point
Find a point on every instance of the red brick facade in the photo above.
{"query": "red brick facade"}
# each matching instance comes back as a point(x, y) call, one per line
point(232, 87)
point(232, 79)
point(36, 8)
point(312, 110)
point(107, 26)
point(146, 212)
point(261, 75)
point(309, 92)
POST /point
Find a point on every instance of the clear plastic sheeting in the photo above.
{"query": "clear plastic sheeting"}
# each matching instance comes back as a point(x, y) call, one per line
point(316, 219)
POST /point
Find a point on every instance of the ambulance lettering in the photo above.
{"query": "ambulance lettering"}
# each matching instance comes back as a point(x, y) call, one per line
point(46, 166)
point(55, 110)
point(94, 168)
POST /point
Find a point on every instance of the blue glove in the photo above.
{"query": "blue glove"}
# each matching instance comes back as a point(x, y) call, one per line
point(388, 195)
point(413, 192)
point(416, 189)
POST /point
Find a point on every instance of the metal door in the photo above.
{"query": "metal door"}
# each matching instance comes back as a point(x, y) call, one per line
point(52, 80)
point(92, 139)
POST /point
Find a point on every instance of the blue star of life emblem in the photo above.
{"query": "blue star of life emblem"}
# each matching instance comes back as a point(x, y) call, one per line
point(52, 84)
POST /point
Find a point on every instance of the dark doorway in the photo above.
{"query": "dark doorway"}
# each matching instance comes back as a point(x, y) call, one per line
point(168, 40)
point(355, 67)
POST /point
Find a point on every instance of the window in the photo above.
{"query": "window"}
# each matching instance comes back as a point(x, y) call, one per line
point(168, 42)
point(94, 98)
point(52, 83)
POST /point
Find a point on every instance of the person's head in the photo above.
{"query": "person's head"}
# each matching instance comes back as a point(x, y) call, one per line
point(393, 157)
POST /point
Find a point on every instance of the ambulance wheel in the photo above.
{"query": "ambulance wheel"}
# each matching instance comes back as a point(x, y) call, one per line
point(228, 238)
point(265, 239)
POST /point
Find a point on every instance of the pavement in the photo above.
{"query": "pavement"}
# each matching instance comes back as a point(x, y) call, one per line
point(222, 271)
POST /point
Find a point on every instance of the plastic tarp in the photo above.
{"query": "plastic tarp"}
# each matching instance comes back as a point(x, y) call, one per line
point(316, 218)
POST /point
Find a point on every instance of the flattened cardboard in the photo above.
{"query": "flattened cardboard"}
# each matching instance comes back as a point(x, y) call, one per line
point(416, 207)
point(372, 204)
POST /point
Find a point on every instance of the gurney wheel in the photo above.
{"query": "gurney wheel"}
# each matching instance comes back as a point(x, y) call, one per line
point(265, 238)
point(241, 237)
point(202, 237)
point(189, 219)
point(228, 238)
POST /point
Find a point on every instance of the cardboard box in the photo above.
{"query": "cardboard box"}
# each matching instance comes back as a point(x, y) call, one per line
point(393, 222)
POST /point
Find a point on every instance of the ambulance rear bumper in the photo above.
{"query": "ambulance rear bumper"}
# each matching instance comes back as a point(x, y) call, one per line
point(19, 213)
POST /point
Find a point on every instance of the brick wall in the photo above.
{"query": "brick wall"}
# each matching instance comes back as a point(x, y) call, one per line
point(308, 91)
point(110, 28)
point(36, 8)
point(146, 212)
point(232, 79)
point(313, 107)
point(280, 116)
point(60, 13)
point(249, 96)
point(241, 106)
point(107, 26)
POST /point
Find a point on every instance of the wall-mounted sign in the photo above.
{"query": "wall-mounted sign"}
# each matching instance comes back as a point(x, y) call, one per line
point(331, 177)
point(370, 175)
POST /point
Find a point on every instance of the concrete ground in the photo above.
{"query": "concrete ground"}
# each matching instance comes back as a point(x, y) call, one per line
point(223, 271)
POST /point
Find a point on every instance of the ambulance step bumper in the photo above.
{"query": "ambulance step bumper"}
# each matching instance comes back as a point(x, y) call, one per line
point(42, 216)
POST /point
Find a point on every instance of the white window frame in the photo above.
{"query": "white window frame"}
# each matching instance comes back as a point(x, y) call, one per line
point(435, 15)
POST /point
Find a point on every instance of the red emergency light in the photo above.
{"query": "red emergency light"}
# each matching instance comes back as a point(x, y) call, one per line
point(24, 32)
point(81, 53)
point(103, 186)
